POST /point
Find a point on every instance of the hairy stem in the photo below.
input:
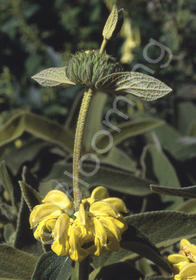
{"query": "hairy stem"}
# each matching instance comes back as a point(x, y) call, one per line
point(79, 137)
point(103, 45)
point(78, 145)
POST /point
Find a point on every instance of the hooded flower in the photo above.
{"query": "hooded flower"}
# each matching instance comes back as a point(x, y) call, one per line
point(95, 228)
point(184, 263)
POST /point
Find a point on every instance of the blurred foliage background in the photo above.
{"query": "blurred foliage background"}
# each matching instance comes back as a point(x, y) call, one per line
point(35, 35)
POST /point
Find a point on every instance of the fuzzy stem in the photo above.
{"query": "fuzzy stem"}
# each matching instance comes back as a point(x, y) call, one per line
point(103, 45)
point(78, 145)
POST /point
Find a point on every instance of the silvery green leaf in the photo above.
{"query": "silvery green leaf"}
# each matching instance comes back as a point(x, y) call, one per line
point(144, 86)
point(52, 77)
point(110, 24)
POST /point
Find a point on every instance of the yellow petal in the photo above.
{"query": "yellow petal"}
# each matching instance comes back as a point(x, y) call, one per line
point(60, 247)
point(41, 211)
point(103, 209)
point(82, 215)
point(99, 193)
point(188, 272)
point(60, 233)
point(110, 226)
point(117, 203)
point(99, 248)
point(58, 198)
point(100, 232)
point(184, 243)
point(61, 226)
point(176, 258)
point(44, 230)
point(189, 249)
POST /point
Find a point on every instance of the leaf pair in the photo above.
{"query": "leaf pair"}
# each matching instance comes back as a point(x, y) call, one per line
point(138, 84)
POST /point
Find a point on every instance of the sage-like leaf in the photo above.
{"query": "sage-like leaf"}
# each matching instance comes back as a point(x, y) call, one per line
point(94, 117)
point(52, 77)
point(106, 175)
point(50, 266)
point(128, 130)
point(164, 228)
point(136, 241)
point(31, 196)
point(6, 181)
point(144, 86)
point(39, 126)
point(188, 192)
point(16, 264)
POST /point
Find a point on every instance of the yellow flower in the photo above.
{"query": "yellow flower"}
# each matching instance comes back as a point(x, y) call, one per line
point(184, 263)
point(188, 249)
point(95, 228)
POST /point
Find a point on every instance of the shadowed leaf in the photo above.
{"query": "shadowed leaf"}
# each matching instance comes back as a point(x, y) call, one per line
point(50, 266)
point(127, 130)
point(165, 228)
point(38, 126)
point(16, 264)
point(6, 181)
point(110, 177)
point(31, 196)
point(188, 192)
point(136, 241)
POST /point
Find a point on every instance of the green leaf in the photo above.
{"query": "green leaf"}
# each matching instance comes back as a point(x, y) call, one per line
point(128, 130)
point(16, 264)
point(165, 173)
point(188, 192)
point(31, 196)
point(94, 117)
point(114, 178)
point(188, 206)
point(136, 241)
point(120, 159)
point(165, 228)
point(6, 181)
point(186, 116)
point(38, 126)
point(144, 86)
point(110, 24)
point(28, 152)
point(52, 77)
point(163, 169)
point(73, 113)
point(50, 266)
point(169, 139)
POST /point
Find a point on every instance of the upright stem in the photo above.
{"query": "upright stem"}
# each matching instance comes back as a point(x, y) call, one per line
point(103, 45)
point(78, 145)
point(78, 139)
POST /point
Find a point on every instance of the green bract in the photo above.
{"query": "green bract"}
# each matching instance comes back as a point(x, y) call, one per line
point(89, 67)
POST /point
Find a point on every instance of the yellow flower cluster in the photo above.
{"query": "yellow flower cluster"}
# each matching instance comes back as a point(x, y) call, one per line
point(184, 263)
point(95, 228)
